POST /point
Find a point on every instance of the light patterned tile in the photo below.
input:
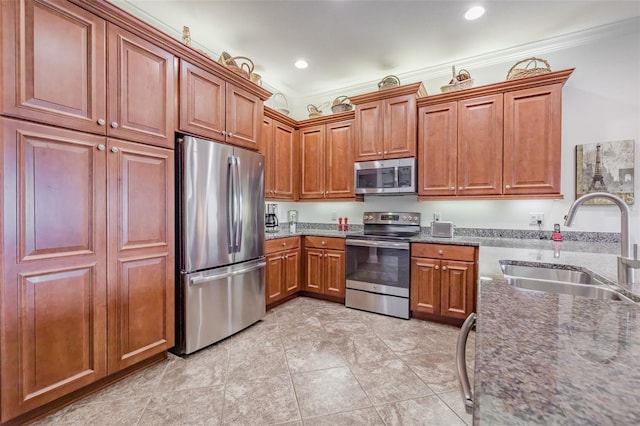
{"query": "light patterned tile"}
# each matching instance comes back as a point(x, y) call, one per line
point(104, 413)
point(436, 369)
point(312, 352)
point(360, 349)
point(454, 401)
point(207, 367)
point(260, 402)
point(199, 406)
point(389, 381)
point(428, 410)
point(256, 362)
point(328, 391)
point(363, 417)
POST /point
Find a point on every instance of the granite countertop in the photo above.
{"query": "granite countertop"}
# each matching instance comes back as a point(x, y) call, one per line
point(545, 358)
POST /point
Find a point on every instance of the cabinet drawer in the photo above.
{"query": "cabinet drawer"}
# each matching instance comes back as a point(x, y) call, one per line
point(443, 251)
point(272, 246)
point(324, 242)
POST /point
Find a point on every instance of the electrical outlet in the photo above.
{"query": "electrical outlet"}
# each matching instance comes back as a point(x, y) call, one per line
point(436, 217)
point(536, 219)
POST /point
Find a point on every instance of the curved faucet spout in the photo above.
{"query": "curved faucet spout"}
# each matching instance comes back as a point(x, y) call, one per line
point(624, 217)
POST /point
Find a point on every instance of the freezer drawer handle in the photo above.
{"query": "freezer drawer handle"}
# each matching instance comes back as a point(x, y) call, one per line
point(461, 363)
point(202, 280)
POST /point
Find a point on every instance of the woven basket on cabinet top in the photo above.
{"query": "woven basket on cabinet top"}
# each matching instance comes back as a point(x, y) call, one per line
point(530, 69)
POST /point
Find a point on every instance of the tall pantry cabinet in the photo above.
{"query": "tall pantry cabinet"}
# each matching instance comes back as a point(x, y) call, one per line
point(87, 201)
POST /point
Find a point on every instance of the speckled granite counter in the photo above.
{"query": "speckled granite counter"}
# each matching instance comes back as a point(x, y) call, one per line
point(546, 358)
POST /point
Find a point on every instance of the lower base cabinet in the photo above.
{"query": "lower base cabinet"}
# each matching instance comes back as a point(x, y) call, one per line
point(443, 280)
point(324, 266)
point(283, 268)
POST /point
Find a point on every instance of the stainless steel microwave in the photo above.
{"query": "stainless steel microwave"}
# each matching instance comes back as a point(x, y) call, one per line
point(393, 177)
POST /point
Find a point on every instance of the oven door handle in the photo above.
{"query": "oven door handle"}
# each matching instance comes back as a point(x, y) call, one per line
point(380, 244)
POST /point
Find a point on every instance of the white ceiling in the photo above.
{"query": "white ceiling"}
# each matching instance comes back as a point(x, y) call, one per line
point(347, 42)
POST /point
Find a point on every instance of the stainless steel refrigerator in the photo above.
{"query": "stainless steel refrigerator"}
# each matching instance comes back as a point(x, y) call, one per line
point(220, 221)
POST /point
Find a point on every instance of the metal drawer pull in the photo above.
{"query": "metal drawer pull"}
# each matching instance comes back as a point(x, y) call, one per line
point(114, 149)
point(440, 252)
point(436, 267)
point(101, 122)
point(101, 147)
point(444, 268)
point(461, 363)
point(114, 125)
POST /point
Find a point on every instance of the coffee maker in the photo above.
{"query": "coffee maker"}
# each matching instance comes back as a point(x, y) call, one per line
point(271, 218)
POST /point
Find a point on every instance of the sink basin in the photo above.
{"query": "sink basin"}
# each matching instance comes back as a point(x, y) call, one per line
point(553, 274)
point(562, 287)
point(559, 280)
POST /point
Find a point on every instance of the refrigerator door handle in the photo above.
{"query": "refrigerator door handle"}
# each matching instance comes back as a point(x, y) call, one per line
point(202, 280)
point(239, 211)
point(231, 218)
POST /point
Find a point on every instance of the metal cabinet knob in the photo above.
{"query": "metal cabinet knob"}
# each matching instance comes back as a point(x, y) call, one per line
point(453, 188)
point(223, 133)
point(444, 268)
point(379, 153)
point(230, 135)
point(436, 267)
point(114, 149)
point(101, 147)
point(285, 257)
point(386, 152)
point(284, 244)
point(101, 121)
point(507, 187)
point(114, 124)
point(323, 243)
point(440, 252)
point(460, 188)
point(326, 255)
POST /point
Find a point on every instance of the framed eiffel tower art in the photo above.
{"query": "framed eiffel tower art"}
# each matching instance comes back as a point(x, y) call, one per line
point(606, 167)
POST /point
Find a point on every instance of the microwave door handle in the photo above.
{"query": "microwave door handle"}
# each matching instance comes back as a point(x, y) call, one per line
point(395, 177)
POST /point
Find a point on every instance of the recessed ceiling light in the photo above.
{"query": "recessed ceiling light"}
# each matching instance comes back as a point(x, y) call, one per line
point(474, 13)
point(301, 64)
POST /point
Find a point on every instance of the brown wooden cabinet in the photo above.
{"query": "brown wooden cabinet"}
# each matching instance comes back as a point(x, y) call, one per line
point(278, 143)
point(460, 150)
point(213, 108)
point(88, 263)
point(140, 252)
point(385, 123)
point(283, 269)
point(443, 280)
point(496, 141)
point(532, 140)
point(326, 157)
point(325, 261)
point(70, 68)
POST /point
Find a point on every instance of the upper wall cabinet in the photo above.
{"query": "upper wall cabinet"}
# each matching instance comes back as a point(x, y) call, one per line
point(71, 69)
point(215, 109)
point(326, 158)
point(385, 123)
point(279, 145)
point(496, 141)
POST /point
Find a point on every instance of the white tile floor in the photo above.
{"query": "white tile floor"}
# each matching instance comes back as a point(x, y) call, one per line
point(308, 362)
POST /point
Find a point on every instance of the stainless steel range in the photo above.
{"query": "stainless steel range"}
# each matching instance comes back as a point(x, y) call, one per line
point(379, 263)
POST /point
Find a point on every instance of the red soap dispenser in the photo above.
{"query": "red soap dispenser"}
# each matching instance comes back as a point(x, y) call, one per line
point(339, 224)
point(346, 224)
point(557, 236)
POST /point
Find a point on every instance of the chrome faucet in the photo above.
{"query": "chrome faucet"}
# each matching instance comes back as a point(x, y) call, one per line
point(626, 264)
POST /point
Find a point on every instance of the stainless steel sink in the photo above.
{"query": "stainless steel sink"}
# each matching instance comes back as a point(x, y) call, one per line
point(562, 287)
point(553, 274)
point(559, 280)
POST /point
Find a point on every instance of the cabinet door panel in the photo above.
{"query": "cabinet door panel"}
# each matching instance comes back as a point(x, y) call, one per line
point(243, 118)
point(142, 82)
point(292, 272)
point(141, 253)
point(532, 140)
point(54, 64)
point(314, 270)
point(438, 149)
point(202, 102)
point(369, 131)
point(480, 145)
point(339, 160)
point(53, 300)
point(400, 127)
point(335, 273)
point(267, 149)
point(312, 154)
point(284, 161)
point(274, 278)
point(425, 285)
point(457, 289)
